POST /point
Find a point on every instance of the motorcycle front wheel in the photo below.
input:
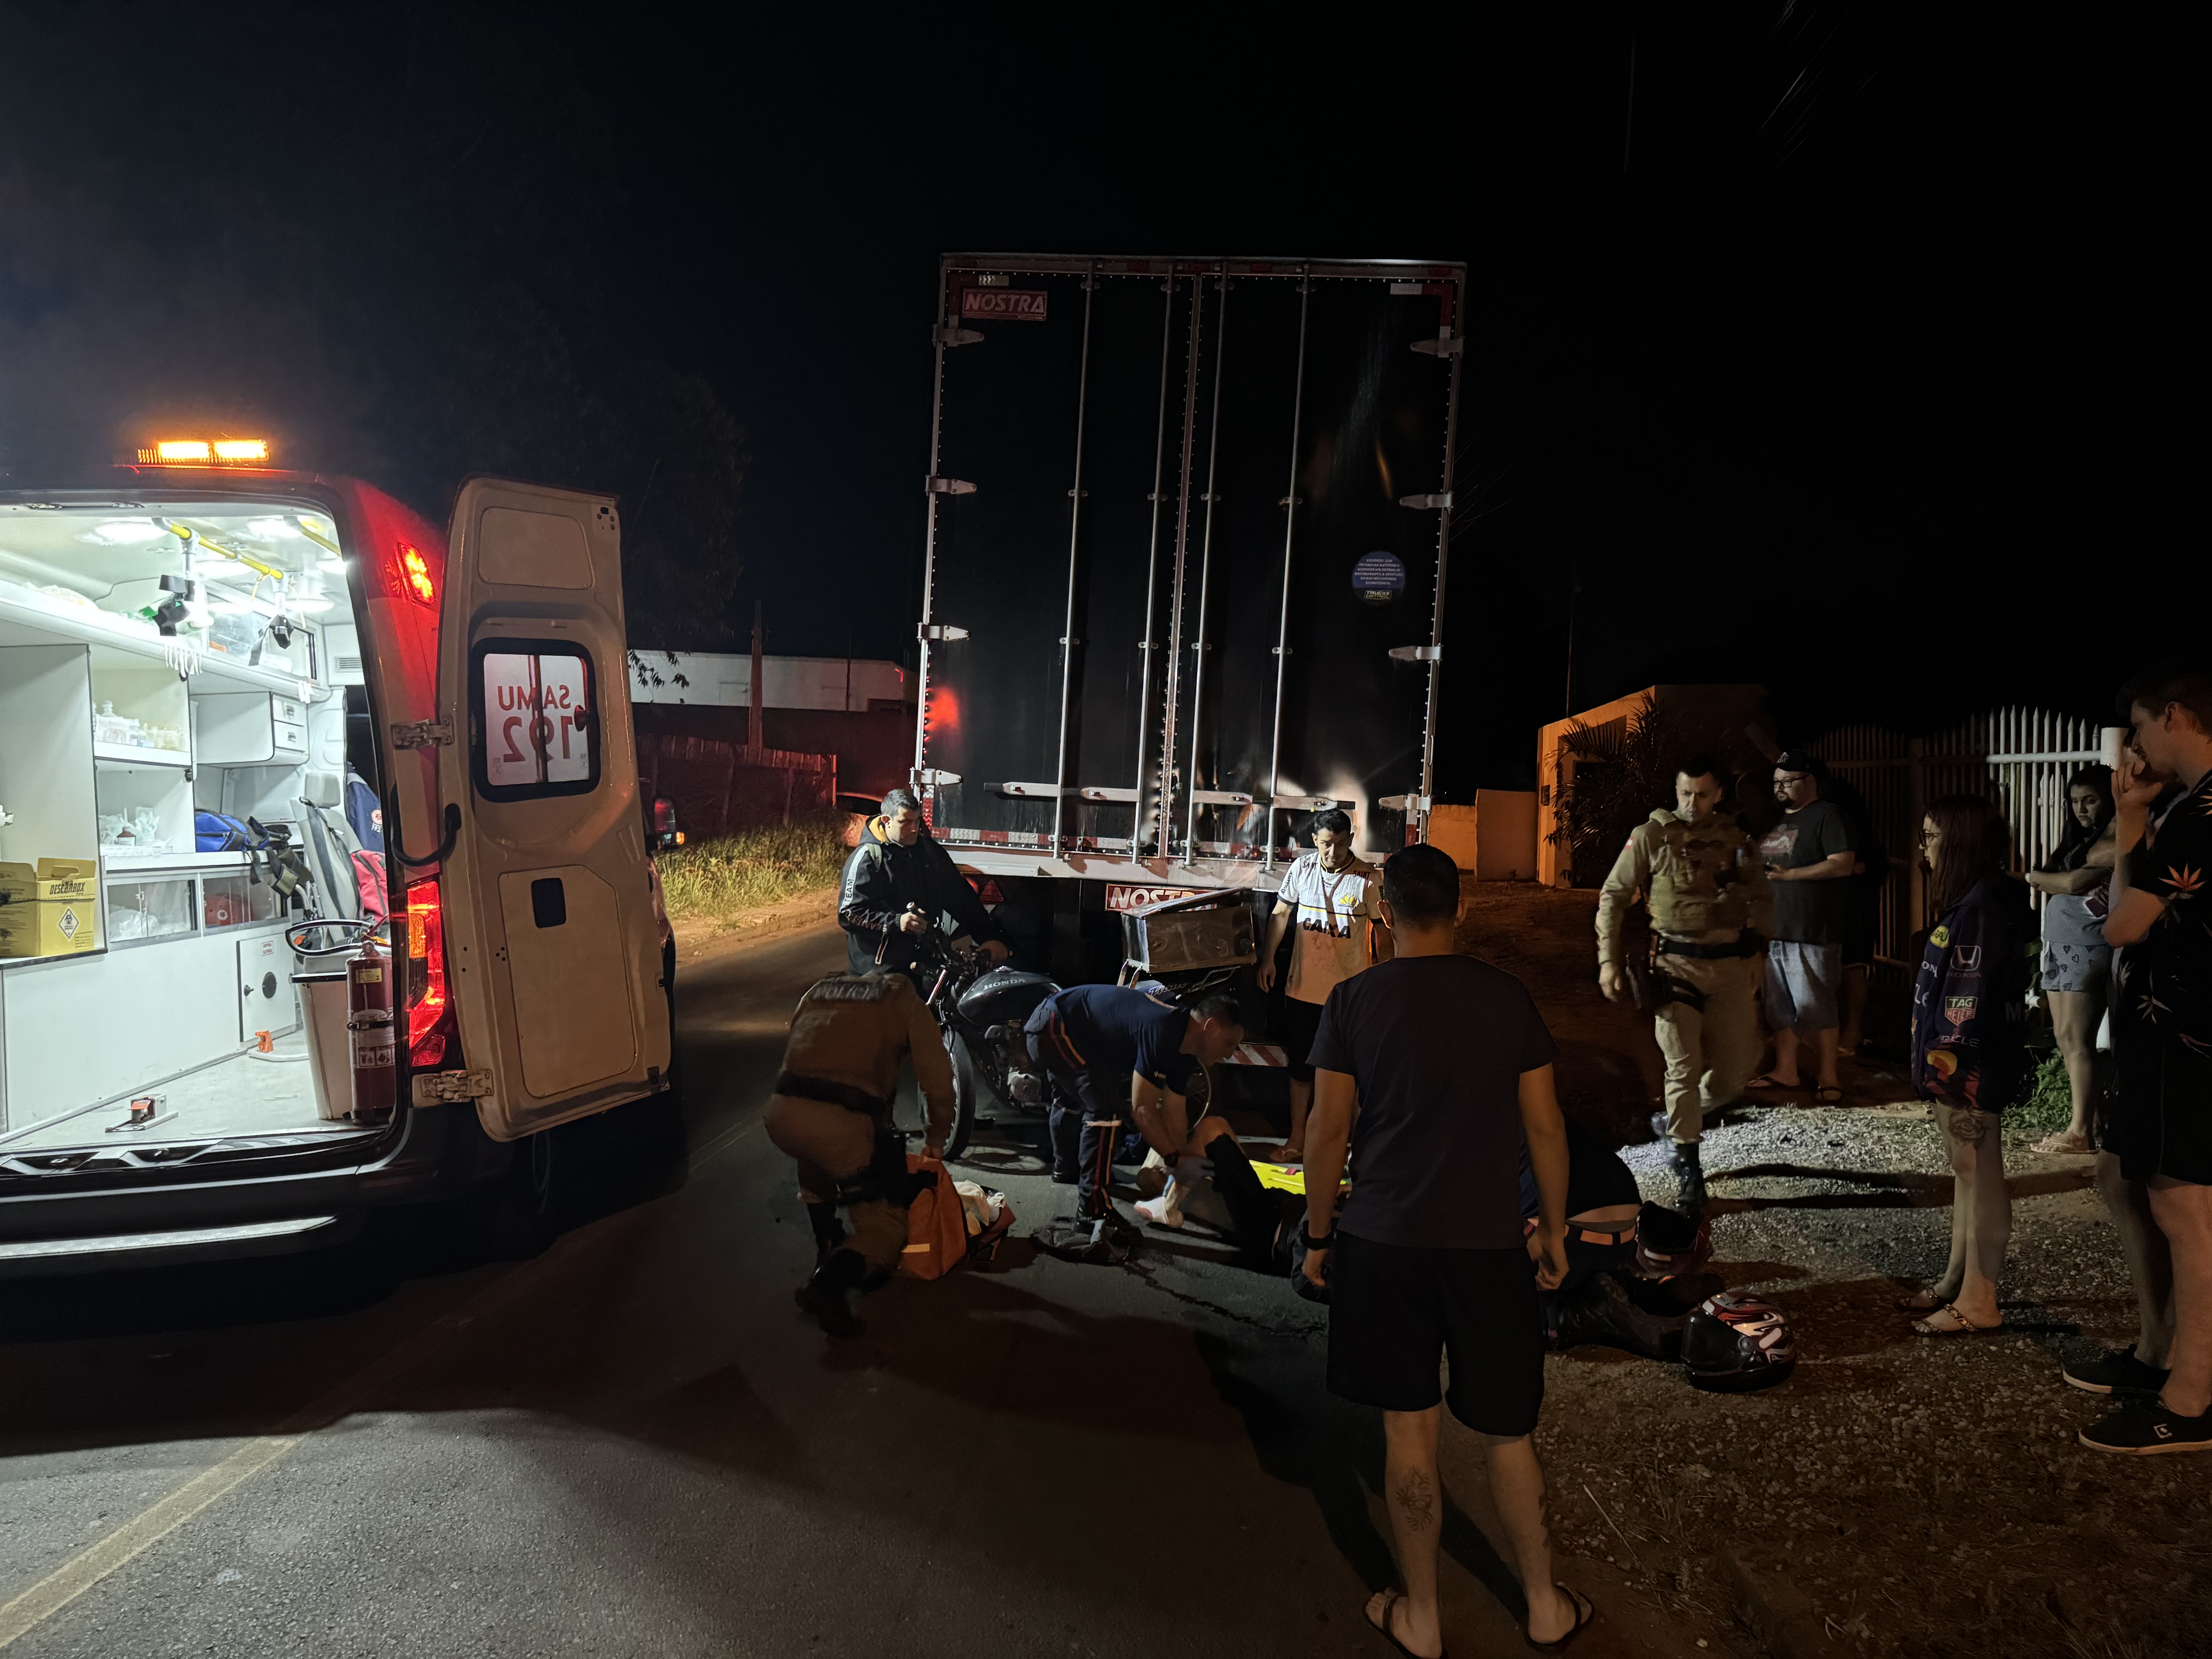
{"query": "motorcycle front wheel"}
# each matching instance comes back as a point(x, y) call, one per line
point(965, 1088)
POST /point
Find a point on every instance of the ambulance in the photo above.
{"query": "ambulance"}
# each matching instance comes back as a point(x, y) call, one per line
point(324, 875)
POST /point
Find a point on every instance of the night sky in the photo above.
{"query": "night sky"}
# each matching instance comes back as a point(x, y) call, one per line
point(1820, 345)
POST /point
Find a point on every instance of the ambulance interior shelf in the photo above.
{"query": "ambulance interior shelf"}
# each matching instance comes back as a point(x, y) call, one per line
point(118, 731)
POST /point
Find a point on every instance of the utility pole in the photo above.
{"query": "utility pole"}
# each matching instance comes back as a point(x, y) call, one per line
point(1574, 591)
point(758, 735)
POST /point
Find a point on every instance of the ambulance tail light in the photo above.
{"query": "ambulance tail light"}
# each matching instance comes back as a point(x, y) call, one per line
point(430, 1025)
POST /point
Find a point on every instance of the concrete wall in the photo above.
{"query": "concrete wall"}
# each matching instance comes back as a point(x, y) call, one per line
point(1505, 834)
point(725, 680)
point(1493, 840)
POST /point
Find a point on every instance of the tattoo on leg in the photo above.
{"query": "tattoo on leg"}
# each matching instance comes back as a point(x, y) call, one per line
point(1416, 1501)
point(1967, 1126)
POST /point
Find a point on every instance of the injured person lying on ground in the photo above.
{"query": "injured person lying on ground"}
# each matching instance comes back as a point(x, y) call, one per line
point(1635, 1278)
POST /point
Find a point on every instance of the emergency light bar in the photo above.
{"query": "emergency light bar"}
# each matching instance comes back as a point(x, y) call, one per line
point(204, 451)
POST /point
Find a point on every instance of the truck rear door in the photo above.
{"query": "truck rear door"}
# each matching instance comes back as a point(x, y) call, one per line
point(551, 951)
point(1185, 577)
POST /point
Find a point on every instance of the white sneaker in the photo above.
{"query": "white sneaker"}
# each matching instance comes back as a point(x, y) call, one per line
point(1166, 1210)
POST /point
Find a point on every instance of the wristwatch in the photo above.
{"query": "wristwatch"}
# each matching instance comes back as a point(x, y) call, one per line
point(1313, 1243)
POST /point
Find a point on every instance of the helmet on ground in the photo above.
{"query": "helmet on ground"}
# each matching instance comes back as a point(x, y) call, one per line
point(1668, 1242)
point(1735, 1343)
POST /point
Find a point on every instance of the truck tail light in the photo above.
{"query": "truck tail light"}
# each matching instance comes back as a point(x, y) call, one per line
point(429, 1014)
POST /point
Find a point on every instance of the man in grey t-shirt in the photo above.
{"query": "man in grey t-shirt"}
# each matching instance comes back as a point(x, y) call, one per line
point(1809, 861)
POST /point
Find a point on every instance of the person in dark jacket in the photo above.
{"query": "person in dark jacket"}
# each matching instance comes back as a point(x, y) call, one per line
point(897, 883)
point(1970, 1057)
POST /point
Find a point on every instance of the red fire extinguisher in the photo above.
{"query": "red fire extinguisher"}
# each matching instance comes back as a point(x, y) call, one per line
point(369, 1034)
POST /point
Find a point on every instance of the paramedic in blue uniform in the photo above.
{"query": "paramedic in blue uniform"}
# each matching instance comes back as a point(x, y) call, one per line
point(1115, 1054)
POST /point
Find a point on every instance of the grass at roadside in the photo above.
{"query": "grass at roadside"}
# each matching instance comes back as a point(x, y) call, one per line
point(2049, 1103)
point(715, 882)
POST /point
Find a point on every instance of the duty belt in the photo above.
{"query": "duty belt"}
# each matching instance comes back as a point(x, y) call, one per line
point(837, 1094)
point(1747, 944)
point(1598, 1233)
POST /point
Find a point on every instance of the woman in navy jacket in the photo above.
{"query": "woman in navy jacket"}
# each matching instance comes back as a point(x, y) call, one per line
point(1970, 1056)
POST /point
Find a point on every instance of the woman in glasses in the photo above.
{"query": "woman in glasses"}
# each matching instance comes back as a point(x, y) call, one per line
point(1970, 1056)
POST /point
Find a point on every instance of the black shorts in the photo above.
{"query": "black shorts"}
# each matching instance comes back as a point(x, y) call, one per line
point(2157, 1120)
point(1394, 1311)
point(1301, 1020)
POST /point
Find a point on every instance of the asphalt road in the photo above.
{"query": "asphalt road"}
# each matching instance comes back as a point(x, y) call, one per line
point(634, 1444)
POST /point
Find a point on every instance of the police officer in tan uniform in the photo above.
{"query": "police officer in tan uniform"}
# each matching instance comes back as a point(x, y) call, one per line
point(832, 1111)
point(1710, 906)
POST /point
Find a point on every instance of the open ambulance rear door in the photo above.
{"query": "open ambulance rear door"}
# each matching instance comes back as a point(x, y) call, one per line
point(551, 951)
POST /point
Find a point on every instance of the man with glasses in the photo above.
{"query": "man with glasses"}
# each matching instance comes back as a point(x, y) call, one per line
point(1810, 861)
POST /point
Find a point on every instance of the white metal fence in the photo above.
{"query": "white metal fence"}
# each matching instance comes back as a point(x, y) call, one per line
point(2022, 757)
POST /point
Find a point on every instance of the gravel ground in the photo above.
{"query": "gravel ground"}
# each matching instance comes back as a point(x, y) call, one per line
point(1899, 1494)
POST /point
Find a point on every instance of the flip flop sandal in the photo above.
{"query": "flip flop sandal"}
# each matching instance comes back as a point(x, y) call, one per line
point(2057, 1145)
point(1965, 1327)
point(1765, 1082)
point(1390, 1599)
point(1919, 1301)
point(1585, 1613)
point(1827, 1095)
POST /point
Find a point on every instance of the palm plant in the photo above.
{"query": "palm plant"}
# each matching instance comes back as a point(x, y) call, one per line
point(1623, 769)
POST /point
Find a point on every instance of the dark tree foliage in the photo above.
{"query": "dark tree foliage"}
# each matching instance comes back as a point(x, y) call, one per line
point(377, 235)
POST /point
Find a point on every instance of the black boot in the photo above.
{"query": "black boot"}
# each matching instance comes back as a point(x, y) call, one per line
point(828, 1295)
point(1601, 1311)
point(829, 1231)
point(1690, 1175)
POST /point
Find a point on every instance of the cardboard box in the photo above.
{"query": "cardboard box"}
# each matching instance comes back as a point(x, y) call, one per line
point(49, 910)
point(1163, 939)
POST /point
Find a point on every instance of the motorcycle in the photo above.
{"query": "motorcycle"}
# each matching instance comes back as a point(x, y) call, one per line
point(982, 1011)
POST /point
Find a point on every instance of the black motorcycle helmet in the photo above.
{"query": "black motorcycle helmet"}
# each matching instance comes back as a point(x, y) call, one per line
point(1735, 1343)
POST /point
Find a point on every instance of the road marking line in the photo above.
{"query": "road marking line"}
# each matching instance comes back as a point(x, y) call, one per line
point(88, 1566)
point(35, 1606)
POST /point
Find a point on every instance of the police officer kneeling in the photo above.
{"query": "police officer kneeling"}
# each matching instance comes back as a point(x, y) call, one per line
point(1711, 903)
point(832, 1111)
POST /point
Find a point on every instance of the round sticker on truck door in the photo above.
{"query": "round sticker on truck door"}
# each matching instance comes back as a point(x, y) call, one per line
point(537, 722)
point(1379, 578)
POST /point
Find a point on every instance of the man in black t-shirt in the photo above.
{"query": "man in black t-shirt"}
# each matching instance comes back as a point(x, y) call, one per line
point(1433, 1068)
point(1809, 861)
point(2160, 1124)
point(1863, 924)
point(1112, 1054)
